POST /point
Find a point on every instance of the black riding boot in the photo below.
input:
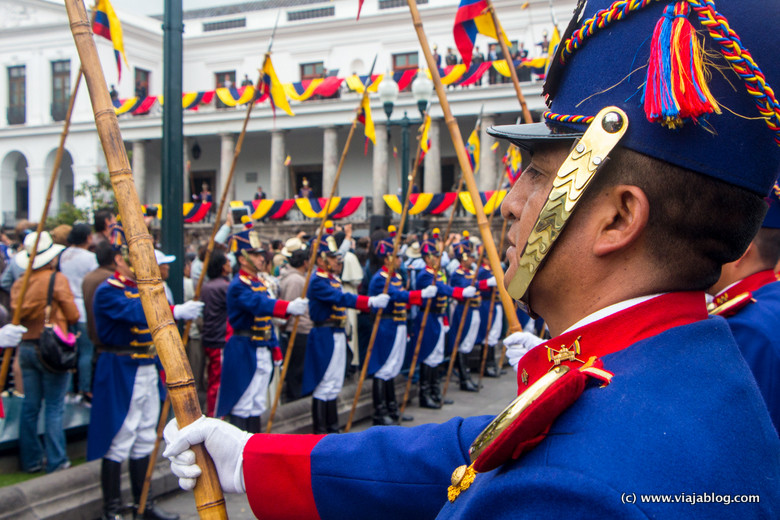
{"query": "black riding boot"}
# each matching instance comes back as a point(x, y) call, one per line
point(427, 396)
point(332, 413)
point(490, 364)
point(110, 473)
point(239, 422)
point(466, 384)
point(138, 469)
point(253, 424)
point(381, 414)
point(392, 403)
point(319, 415)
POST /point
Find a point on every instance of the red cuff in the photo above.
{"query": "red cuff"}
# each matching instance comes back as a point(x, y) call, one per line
point(415, 297)
point(483, 286)
point(362, 303)
point(276, 354)
point(277, 475)
point(280, 309)
point(457, 293)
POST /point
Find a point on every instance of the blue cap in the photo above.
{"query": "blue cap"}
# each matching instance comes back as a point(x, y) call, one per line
point(325, 247)
point(118, 239)
point(383, 248)
point(607, 63)
point(772, 218)
point(247, 240)
point(428, 247)
point(462, 249)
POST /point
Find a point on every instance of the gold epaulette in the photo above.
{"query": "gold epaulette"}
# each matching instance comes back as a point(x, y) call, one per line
point(245, 280)
point(116, 283)
point(321, 275)
point(732, 306)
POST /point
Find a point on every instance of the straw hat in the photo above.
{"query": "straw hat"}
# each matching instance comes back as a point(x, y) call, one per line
point(413, 251)
point(47, 251)
point(293, 244)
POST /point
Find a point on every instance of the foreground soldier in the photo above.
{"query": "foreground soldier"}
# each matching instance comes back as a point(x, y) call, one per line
point(126, 399)
point(622, 286)
point(748, 296)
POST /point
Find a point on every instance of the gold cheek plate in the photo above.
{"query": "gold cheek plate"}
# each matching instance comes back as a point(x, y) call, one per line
point(573, 177)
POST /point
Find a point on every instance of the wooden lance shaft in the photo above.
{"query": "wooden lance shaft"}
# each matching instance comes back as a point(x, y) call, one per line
point(460, 150)
point(390, 274)
point(181, 385)
point(41, 222)
point(313, 254)
point(493, 300)
point(510, 63)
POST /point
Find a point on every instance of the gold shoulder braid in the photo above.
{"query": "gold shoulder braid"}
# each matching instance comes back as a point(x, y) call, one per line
point(525, 422)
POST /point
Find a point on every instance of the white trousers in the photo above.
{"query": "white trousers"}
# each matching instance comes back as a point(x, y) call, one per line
point(494, 334)
point(135, 438)
point(470, 336)
point(253, 401)
point(392, 366)
point(328, 389)
point(435, 358)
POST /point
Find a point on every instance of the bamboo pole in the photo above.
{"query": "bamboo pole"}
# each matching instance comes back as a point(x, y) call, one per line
point(390, 274)
point(41, 222)
point(493, 301)
point(313, 254)
point(460, 150)
point(180, 383)
point(510, 62)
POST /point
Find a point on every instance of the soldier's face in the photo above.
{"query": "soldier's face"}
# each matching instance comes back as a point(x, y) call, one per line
point(525, 200)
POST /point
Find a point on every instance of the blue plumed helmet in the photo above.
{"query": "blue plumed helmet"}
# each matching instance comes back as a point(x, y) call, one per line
point(604, 59)
point(247, 240)
point(383, 248)
point(772, 218)
point(462, 249)
point(428, 248)
point(325, 247)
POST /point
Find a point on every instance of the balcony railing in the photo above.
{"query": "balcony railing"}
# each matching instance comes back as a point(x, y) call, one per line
point(15, 115)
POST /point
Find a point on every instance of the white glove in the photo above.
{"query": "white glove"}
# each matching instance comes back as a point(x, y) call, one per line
point(188, 310)
point(429, 292)
point(517, 344)
point(11, 335)
point(491, 282)
point(224, 442)
point(379, 301)
point(469, 292)
point(298, 307)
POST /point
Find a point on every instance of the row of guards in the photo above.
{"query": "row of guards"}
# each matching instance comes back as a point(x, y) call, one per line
point(340, 207)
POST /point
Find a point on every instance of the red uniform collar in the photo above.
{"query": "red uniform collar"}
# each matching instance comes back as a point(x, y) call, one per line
point(747, 285)
point(252, 277)
point(612, 333)
point(125, 281)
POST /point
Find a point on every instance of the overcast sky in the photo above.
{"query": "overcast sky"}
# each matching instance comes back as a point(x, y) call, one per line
point(158, 6)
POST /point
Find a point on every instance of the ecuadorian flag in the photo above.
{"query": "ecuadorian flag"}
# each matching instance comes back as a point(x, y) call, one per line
point(472, 149)
point(471, 19)
point(270, 85)
point(107, 25)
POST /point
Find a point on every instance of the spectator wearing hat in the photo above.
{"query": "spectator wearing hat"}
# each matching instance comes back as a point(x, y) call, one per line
point(463, 277)
point(213, 294)
point(75, 263)
point(252, 348)
point(326, 349)
point(126, 389)
point(40, 384)
point(292, 281)
point(389, 351)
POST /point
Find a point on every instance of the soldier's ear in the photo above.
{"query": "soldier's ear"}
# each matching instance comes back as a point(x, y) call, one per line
point(620, 215)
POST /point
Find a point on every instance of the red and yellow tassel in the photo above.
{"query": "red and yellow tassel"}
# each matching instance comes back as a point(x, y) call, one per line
point(676, 87)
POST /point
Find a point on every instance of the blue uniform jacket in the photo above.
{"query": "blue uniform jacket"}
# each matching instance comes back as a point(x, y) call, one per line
point(327, 302)
point(461, 278)
point(120, 322)
point(682, 417)
point(393, 316)
point(249, 311)
point(485, 293)
point(439, 307)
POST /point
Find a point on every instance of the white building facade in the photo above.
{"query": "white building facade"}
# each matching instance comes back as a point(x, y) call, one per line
point(314, 37)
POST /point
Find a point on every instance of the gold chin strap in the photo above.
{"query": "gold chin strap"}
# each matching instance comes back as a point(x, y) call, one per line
point(573, 177)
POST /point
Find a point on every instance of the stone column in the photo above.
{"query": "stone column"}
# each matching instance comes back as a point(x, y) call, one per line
point(330, 159)
point(226, 149)
point(139, 170)
point(379, 177)
point(37, 184)
point(486, 178)
point(279, 177)
point(432, 161)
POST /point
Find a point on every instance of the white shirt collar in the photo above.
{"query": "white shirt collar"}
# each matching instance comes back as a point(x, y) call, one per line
point(612, 309)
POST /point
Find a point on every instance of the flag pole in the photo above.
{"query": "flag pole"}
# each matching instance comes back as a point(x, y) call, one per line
point(460, 150)
point(510, 63)
point(180, 382)
point(390, 274)
point(41, 222)
point(313, 255)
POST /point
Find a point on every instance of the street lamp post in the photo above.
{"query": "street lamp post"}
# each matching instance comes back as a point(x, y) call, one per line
point(422, 90)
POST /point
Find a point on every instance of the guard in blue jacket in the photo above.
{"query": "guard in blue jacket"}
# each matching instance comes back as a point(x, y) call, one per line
point(748, 296)
point(127, 390)
point(387, 356)
point(436, 326)
point(326, 347)
point(464, 277)
point(491, 324)
point(640, 405)
point(252, 349)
